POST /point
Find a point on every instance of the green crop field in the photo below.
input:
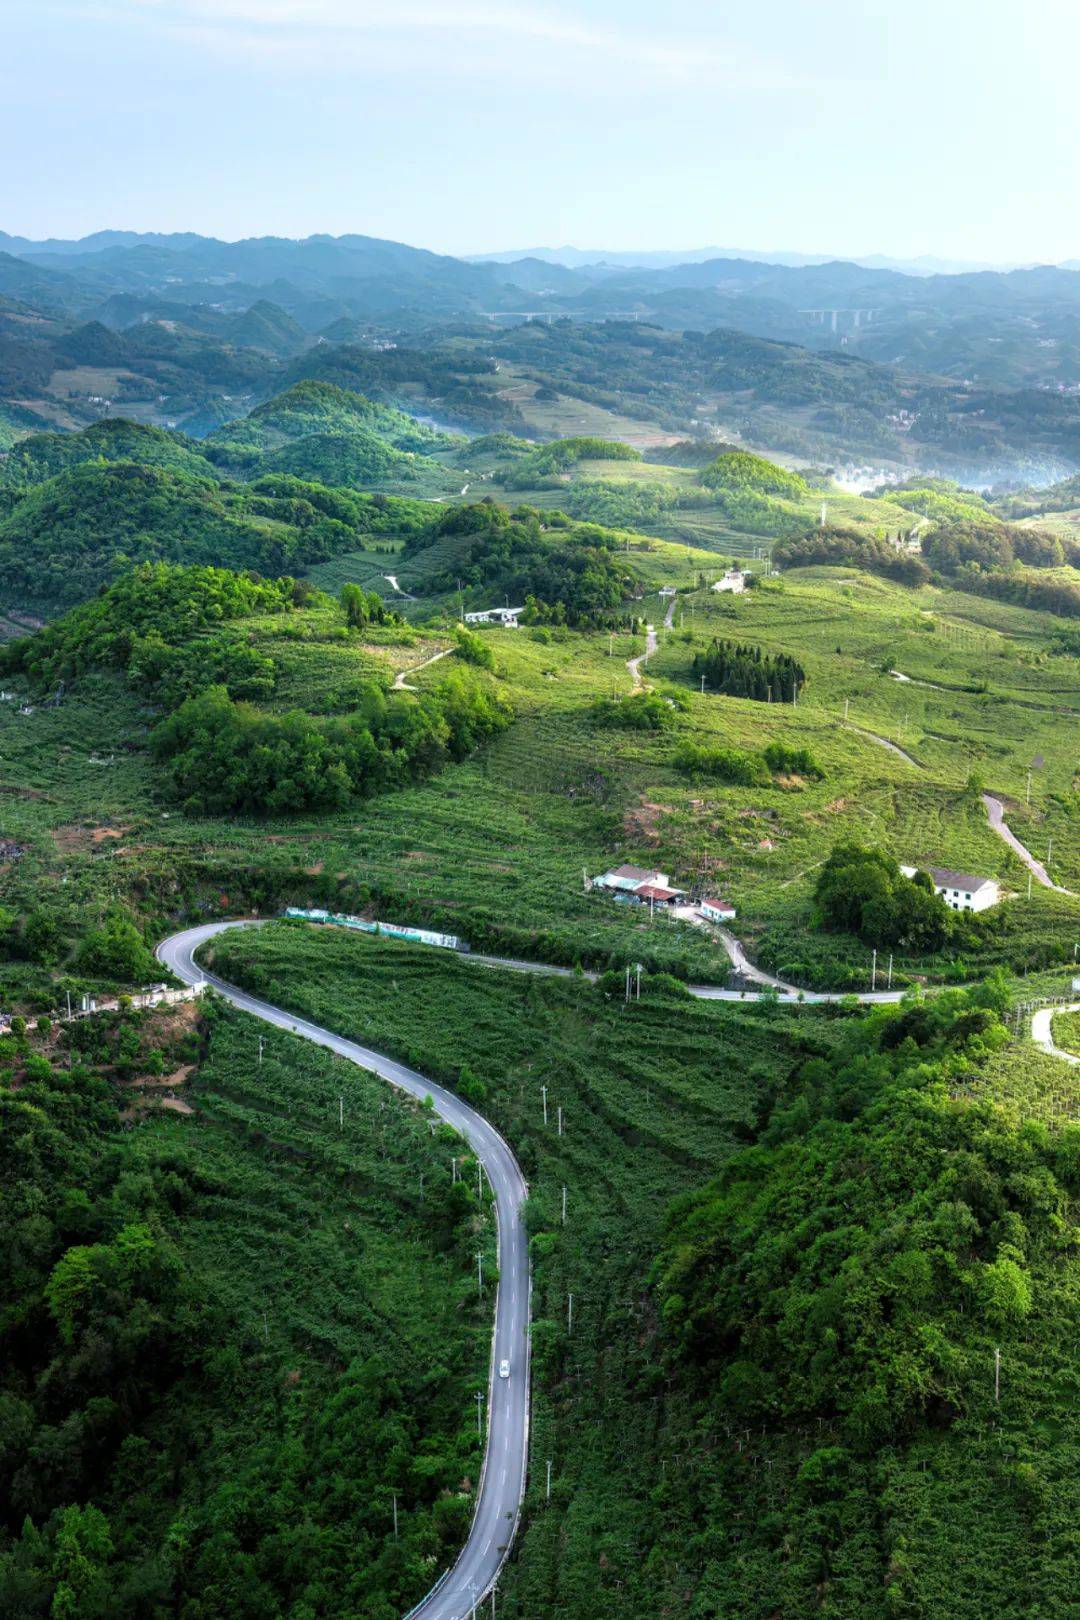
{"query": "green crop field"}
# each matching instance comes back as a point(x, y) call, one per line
point(659, 1502)
point(245, 1328)
point(495, 848)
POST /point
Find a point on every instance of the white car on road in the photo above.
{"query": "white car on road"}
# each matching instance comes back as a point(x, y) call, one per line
point(504, 1369)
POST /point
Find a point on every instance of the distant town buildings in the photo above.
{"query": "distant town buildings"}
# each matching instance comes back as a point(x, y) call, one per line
point(959, 890)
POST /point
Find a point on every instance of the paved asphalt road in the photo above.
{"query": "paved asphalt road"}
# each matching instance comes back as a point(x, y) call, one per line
point(995, 811)
point(503, 1481)
point(1042, 1032)
point(787, 995)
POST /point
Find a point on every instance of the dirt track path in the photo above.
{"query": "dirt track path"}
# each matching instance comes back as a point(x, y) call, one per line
point(634, 664)
point(401, 681)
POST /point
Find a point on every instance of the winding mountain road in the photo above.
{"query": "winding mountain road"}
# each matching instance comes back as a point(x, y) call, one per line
point(1042, 1031)
point(502, 1483)
point(995, 810)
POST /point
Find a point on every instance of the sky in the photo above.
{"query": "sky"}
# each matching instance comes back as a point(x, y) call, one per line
point(848, 127)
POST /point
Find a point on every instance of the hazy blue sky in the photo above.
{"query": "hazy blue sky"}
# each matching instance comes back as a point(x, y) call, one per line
point(848, 126)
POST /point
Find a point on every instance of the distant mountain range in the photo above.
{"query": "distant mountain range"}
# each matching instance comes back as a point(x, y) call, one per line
point(650, 259)
point(1015, 327)
point(184, 329)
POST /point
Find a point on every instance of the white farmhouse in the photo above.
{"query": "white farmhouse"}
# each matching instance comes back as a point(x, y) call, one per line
point(960, 890)
point(715, 910)
point(506, 616)
point(629, 878)
point(734, 580)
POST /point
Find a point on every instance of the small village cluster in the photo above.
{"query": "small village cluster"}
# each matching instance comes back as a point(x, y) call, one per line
point(638, 885)
point(646, 886)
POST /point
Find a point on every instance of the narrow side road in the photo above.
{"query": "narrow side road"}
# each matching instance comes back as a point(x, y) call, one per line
point(502, 1484)
point(786, 994)
point(1042, 1031)
point(883, 742)
point(634, 664)
point(401, 679)
point(995, 810)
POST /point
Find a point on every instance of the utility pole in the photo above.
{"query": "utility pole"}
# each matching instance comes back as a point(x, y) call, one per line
point(627, 995)
point(543, 1092)
point(890, 969)
point(847, 706)
point(479, 1410)
point(569, 1314)
point(480, 1272)
point(262, 1043)
point(560, 1119)
point(549, 1480)
point(564, 1206)
point(639, 981)
point(453, 1172)
point(479, 1183)
point(703, 686)
point(873, 972)
point(997, 1377)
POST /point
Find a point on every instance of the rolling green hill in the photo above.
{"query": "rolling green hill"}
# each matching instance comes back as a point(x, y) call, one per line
point(69, 535)
point(759, 1328)
point(42, 455)
point(313, 407)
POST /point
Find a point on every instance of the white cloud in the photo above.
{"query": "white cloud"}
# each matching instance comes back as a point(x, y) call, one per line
point(373, 33)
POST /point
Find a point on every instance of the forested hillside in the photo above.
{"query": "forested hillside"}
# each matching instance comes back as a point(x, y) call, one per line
point(217, 1378)
point(776, 1242)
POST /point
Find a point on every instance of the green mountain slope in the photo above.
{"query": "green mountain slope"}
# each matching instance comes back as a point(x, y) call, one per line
point(311, 407)
point(43, 455)
point(75, 532)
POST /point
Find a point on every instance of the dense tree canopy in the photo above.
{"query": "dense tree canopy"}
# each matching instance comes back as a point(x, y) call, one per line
point(572, 575)
point(223, 756)
point(863, 891)
point(740, 470)
point(850, 548)
point(741, 670)
point(857, 1264)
